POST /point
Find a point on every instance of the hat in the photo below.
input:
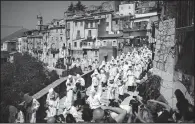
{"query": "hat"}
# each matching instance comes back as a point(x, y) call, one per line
point(69, 76)
point(50, 90)
point(78, 75)
point(95, 81)
point(27, 98)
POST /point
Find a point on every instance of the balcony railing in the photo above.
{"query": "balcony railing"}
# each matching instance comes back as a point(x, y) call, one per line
point(87, 46)
point(141, 27)
point(54, 51)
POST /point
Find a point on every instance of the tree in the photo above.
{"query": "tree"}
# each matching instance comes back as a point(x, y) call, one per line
point(71, 7)
point(60, 63)
point(24, 75)
point(79, 6)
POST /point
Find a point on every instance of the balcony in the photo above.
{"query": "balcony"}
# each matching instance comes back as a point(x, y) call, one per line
point(54, 51)
point(141, 27)
point(86, 45)
point(89, 37)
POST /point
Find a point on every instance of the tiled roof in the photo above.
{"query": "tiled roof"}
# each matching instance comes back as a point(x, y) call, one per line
point(16, 34)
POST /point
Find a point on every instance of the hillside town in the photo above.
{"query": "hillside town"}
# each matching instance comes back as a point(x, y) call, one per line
point(134, 62)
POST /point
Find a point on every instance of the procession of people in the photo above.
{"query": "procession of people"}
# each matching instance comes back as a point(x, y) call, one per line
point(122, 90)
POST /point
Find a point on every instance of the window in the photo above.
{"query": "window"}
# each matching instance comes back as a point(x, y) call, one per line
point(91, 24)
point(75, 44)
point(81, 23)
point(56, 38)
point(80, 44)
point(89, 33)
point(61, 38)
point(78, 33)
point(96, 24)
point(104, 43)
point(53, 55)
point(114, 43)
point(56, 30)
point(75, 23)
point(88, 25)
point(68, 34)
point(107, 23)
point(52, 38)
point(57, 23)
point(68, 26)
point(129, 7)
point(95, 53)
point(69, 45)
point(60, 30)
point(116, 21)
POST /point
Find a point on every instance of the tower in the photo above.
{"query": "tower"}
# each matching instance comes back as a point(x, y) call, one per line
point(39, 22)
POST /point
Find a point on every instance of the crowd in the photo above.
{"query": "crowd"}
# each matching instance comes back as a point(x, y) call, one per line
point(85, 64)
point(125, 77)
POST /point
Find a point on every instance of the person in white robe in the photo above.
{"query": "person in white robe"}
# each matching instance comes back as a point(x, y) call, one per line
point(138, 70)
point(31, 105)
point(80, 80)
point(20, 117)
point(70, 86)
point(121, 86)
point(130, 79)
point(52, 102)
point(112, 89)
point(95, 74)
point(94, 100)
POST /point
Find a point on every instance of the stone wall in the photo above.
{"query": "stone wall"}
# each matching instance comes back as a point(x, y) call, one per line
point(164, 62)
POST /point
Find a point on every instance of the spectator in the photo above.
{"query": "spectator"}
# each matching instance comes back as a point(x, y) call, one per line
point(101, 115)
point(31, 105)
point(70, 118)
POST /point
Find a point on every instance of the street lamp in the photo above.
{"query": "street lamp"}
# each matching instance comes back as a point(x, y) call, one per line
point(68, 63)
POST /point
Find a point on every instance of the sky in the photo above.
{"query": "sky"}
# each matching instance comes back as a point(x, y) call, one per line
point(24, 13)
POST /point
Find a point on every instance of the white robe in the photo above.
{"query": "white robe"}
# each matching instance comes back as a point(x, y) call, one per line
point(112, 88)
point(20, 117)
point(94, 101)
point(138, 71)
point(81, 81)
point(35, 107)
point(53, 106)
point(130, 79)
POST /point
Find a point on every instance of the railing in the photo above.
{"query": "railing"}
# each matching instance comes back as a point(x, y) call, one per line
point(136, 28)
point(60, 87)
point(91, 46)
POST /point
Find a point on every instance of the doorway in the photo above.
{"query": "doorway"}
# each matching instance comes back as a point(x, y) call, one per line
point(106, 58)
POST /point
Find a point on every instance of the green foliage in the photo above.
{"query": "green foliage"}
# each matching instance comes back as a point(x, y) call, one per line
point(60, 64)
point(79, 6)
point(25, 75)
point(71, 7)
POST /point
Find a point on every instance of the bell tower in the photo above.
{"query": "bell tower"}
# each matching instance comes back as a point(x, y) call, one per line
point(39, 22)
